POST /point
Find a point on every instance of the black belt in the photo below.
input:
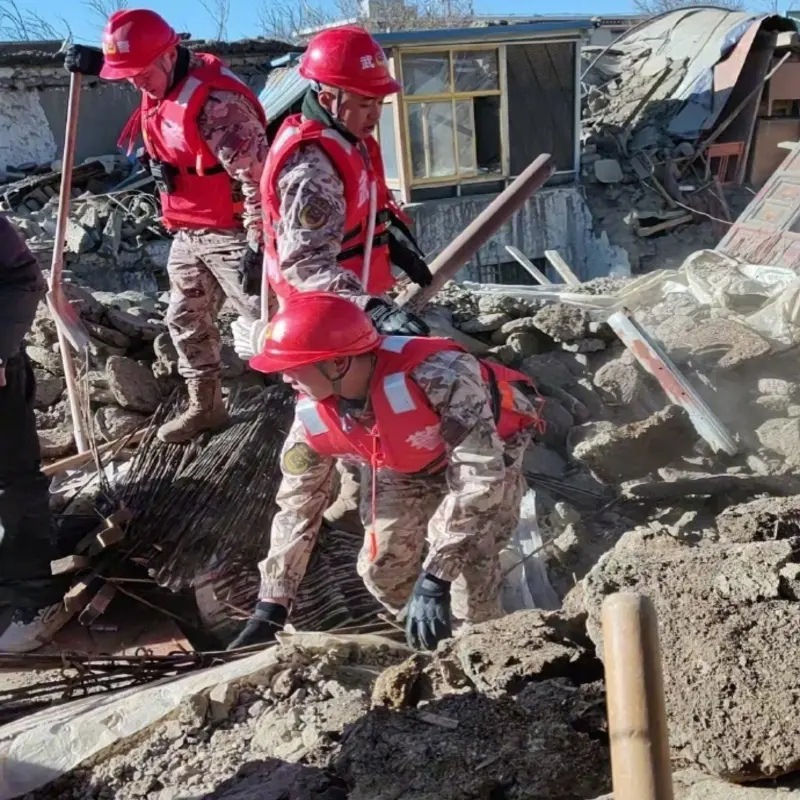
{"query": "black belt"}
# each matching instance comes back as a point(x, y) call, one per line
point(380, 218)
point(377, 241)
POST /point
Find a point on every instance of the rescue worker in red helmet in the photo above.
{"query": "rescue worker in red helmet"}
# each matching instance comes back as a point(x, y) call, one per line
point(205, 141)
point(439, 436)
point(330, 222)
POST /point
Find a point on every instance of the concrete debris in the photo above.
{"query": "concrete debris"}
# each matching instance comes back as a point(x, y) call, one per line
point(132, 385)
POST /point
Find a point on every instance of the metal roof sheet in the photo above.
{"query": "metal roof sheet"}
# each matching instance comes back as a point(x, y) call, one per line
point(284, 87)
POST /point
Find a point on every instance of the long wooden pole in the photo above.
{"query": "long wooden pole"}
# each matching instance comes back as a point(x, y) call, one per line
point(480, 230)
point(57, 265)
point(637, 720)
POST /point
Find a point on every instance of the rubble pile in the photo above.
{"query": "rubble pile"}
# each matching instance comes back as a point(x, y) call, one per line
point(512, 709)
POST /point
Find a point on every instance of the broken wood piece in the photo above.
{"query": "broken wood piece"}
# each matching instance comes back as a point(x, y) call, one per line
point(77, 596)
point(561, 267)
point(79, 460)
point(102, 537)
point(529, 266)
point(637, 717)
point(112, 534)
point(649, 230)
point(438, 720)
point(98, 604)
point(655, 360)
point(64, 566)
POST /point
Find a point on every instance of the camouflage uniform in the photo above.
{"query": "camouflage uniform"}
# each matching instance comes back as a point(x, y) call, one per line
point(203, 264)
point(311, 226)
point(467, 513)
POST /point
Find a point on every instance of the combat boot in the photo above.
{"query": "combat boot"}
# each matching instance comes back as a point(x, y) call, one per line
point(206, 412)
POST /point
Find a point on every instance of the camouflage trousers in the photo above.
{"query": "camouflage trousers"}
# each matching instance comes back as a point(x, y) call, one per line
point(203, 271)
point(394, 546)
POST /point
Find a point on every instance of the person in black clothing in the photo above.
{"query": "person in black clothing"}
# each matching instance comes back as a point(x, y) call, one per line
point(27, 534)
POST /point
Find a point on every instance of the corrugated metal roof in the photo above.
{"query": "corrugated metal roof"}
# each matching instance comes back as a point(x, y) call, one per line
point(284, 87)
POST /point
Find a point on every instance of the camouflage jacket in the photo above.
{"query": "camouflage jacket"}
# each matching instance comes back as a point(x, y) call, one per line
point(234, 133)
point(475, 475)
point(311, 226)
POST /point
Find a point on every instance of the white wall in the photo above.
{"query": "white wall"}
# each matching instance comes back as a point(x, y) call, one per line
point(25, 133)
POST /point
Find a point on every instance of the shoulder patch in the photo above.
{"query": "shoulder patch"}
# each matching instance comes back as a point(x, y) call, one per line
point(299, 459)
point(315, 213)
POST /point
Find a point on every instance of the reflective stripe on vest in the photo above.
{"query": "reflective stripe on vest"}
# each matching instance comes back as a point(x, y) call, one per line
point(394, 344)
point(397, 393)
point(308, 413)
point(190, 86)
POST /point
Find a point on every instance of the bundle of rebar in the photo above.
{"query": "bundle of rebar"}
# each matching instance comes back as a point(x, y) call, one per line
point(211, 501)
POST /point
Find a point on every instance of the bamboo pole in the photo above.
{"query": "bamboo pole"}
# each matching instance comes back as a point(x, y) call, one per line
point(640, 761)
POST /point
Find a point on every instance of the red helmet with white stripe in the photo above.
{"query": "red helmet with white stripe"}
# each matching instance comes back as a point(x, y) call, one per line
point(313, 327)
point(133, 40)
point(348, 58)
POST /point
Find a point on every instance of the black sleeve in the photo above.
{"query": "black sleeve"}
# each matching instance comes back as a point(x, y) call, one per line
point(22, 286)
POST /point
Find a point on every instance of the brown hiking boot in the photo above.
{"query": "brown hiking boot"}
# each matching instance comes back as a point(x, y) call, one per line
point(206, 412)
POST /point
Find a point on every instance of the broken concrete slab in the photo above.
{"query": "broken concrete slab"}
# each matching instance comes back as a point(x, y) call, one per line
point(621, 453)
point(113, 422)
point(562, 323)
point(782, 436)
point(766, 519)
point(49, 389)
point(722, 343)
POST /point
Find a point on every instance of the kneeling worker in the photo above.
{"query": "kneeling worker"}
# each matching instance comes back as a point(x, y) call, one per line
point(440, 437)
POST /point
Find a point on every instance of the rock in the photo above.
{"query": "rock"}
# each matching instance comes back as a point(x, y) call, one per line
point(608, 170)
point(760, 520)
point(221, 700)
point(57, 442)
point(502, 304)
point(782, 436)
point(547, 368)
point(47, 359)
point(589, 345)
point(398, 686)
point(522, 325)
point(133, 385)
point(166, 363)
point(133, 326)
point(728, 642)
point(621, 383)
point(543, 460)
point(524, 344)
point(774, 403)
point(558, 422)
point(776, 386)
point(84, 303)
point(562, 323)
point(109, 336)
point(113, 423)
point(48, 389)
point(78, 240)
point(484, 323)
point(724, 344)
point(43, 333)
point(620, 453)
point(506, 354)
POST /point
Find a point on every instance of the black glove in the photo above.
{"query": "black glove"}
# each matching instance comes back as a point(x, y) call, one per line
point(251, 268)
point(261, 628)
point(84, 59)
point(428, 613)
point(393, 321)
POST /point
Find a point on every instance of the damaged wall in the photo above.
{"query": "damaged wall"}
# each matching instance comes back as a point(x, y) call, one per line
point(553, 219)
point(25, 132)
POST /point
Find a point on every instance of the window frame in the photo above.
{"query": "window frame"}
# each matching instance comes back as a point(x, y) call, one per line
point(411, 182)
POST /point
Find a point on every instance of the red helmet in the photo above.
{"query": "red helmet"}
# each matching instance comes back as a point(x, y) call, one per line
point(132, 41)
point(350, 59)
point(313, 327)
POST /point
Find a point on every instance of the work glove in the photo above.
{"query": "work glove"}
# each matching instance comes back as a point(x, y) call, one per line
point(84, 59)
point(251, 268)
point(393, 321)
point(248, 336)
point(268, 619)
point(428, 613)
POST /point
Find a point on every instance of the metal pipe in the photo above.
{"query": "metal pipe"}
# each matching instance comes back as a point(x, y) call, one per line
point(637, 720)
point(480, 230)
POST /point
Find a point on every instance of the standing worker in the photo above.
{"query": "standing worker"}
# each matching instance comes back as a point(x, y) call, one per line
point(440, 436)
point(27, 533)
point(205, 141)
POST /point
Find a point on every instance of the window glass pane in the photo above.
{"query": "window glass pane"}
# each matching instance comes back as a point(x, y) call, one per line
point(487, 134)
point(465, 134)
point(439, 119)
point(430, 127)
point(416, 137)
point(387, 141)
point(427, 73)
point(476, 70)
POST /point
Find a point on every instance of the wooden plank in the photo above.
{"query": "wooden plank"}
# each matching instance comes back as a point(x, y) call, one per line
point(79, 460)
point(112, 534)
point(98, 604)
point(561, 267)
point(64, 566)
point(78, 596)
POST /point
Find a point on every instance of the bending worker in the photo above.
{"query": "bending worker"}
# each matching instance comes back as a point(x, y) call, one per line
point(205, 141)
point(330, 222)
point(439, 436)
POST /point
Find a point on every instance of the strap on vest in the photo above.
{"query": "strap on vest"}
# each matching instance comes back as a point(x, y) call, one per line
point(381, 240)
point(381, 218)
point(495, 399)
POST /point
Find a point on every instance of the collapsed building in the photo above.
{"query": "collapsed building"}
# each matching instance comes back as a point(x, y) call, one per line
point(667, 467)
